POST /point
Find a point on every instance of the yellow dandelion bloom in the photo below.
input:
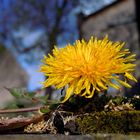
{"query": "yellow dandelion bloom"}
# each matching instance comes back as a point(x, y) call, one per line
point(88, 66)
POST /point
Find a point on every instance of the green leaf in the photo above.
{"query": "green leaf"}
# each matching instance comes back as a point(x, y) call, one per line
point(53, 106)
point(31, 94)
point(44, 110)
point(17, 93)
point(43, 99)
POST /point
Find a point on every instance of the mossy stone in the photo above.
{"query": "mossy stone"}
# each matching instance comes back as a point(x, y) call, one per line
point(123, 122)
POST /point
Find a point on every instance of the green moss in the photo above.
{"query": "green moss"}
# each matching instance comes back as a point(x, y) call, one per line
point(110, 122)
point(134, 121)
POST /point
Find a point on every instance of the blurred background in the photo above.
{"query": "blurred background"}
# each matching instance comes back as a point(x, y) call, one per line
point(30, 28)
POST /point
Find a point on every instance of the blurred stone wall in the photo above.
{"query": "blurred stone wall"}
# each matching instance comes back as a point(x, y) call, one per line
point(119, 22)
point(11, 75)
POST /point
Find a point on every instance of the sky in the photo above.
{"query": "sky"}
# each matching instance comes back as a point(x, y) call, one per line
point(88, 7)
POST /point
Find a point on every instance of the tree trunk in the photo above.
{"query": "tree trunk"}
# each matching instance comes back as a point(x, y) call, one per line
point(52, 42)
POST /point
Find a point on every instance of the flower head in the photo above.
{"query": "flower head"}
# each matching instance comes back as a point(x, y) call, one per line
point(88, 66)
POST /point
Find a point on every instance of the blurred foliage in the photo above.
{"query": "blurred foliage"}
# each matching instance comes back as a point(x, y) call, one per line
point(51, 18)
point(27, 99)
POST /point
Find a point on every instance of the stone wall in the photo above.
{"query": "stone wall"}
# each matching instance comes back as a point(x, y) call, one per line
point(119, 22)
point(110, 18)
point(11, 75)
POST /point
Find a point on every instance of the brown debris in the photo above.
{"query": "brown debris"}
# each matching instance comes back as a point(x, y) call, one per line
point(17, 122)
point(110, 106)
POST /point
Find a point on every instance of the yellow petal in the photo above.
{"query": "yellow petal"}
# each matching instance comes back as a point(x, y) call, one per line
point(69, 92)
point(100, 84)
point(115, 86)
point(131, 77)
point(91, 94)
point(120, 46)
point(83, 94)
point(124, 83)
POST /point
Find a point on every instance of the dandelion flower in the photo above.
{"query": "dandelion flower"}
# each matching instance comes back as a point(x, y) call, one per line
point(88, 66)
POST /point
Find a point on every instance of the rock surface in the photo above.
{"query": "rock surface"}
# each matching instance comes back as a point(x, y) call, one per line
point(63, 137)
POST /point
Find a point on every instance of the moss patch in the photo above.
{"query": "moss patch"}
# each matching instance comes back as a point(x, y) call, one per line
point(124, 122)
